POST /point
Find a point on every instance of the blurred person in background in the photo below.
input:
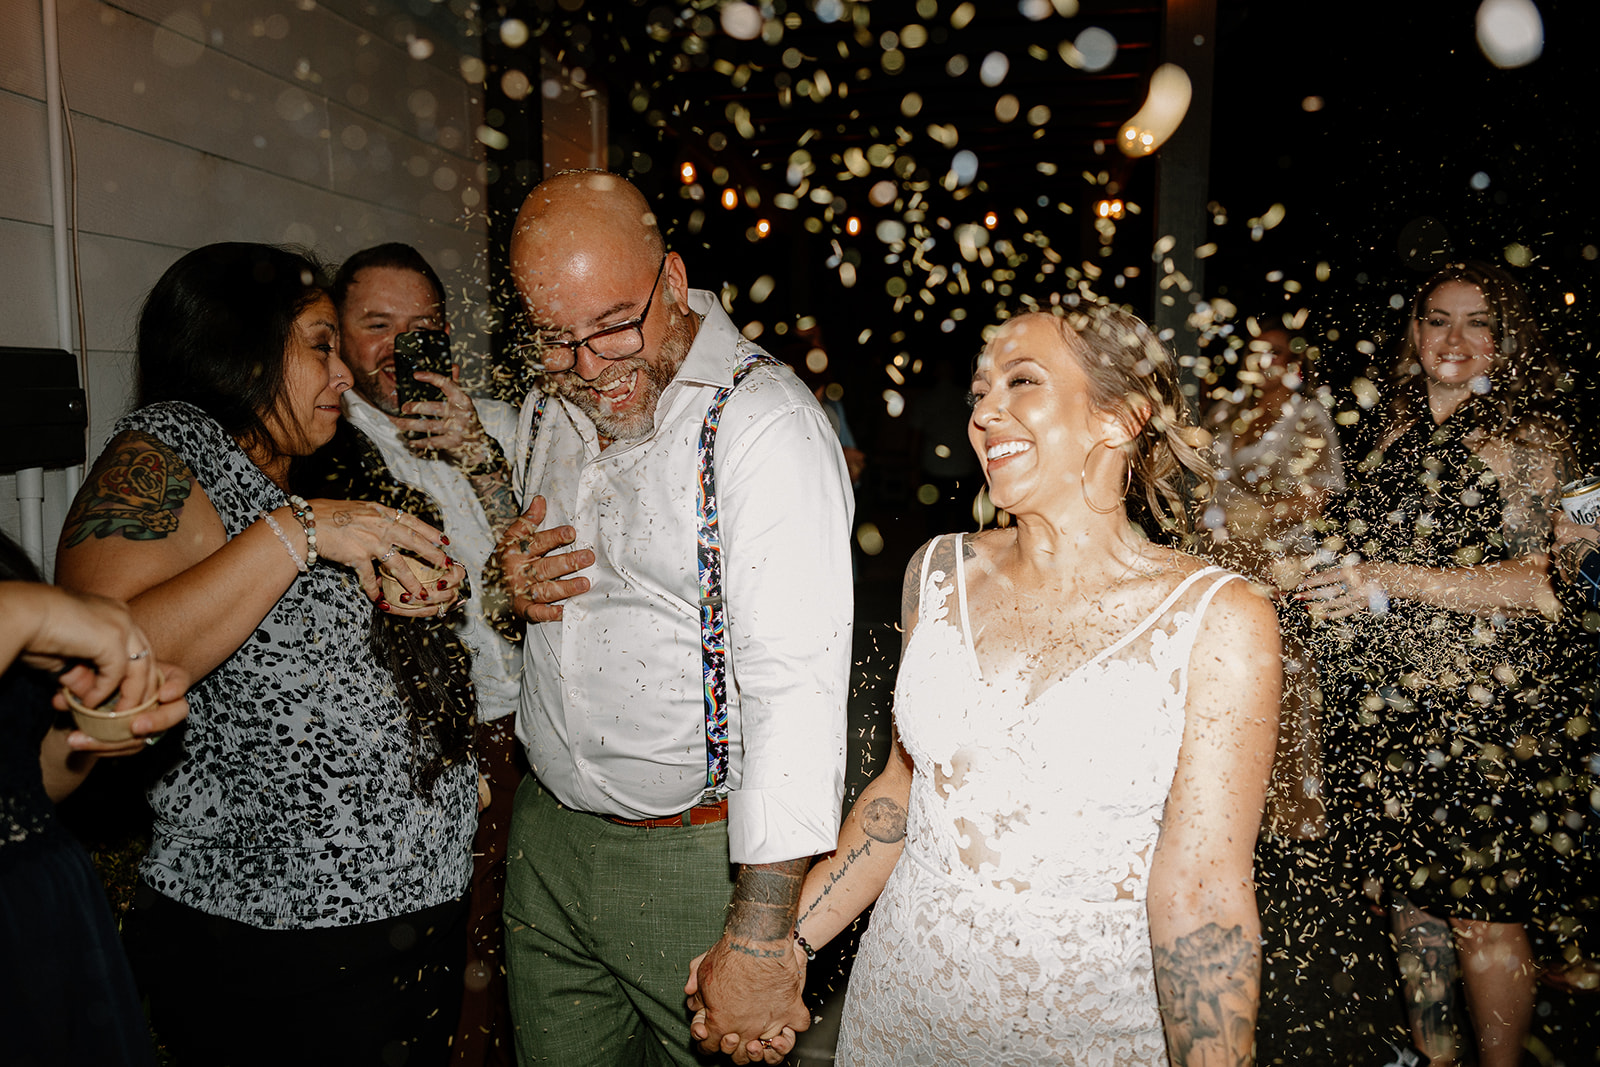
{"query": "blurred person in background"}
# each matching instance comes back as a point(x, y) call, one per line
point(302, 898)
point(1277, 456)
point(1431, 634)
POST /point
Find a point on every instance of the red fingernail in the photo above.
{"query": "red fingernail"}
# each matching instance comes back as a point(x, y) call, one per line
point(444, 539)
point(405, 598)
point(443, 584)
point(423, 594)
point(383, 605)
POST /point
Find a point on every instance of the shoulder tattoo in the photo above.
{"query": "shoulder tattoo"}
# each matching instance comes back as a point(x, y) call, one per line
point(137, 489)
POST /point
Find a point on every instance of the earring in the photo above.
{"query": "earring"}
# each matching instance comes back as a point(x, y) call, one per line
point(1083, 477)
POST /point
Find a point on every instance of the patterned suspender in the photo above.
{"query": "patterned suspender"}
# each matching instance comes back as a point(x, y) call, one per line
point(713, 612)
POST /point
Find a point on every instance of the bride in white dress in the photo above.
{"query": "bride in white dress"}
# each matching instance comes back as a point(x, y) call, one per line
point(1062, 836)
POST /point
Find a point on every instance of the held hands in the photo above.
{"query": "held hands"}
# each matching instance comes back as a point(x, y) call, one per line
point(370, 538)
point(449, 427)
point(534, 570)
point(747, 1000)
point(1342, 591)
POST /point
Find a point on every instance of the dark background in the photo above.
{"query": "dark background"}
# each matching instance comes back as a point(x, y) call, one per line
point(1376, 185)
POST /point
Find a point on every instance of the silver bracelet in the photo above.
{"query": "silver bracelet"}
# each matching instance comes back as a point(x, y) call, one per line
point(272, 524)
point(308, 522)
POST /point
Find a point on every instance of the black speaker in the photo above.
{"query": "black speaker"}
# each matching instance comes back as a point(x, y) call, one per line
point(47, 413)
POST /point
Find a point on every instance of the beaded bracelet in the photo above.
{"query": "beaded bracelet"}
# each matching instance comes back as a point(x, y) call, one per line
point(272, 524)
point(308, 522)
point(811, 953)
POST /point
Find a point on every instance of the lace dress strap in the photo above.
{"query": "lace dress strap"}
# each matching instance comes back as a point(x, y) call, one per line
point(1165, 606)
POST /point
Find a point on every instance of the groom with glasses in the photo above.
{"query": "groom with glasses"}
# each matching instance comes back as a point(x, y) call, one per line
point(677, 798)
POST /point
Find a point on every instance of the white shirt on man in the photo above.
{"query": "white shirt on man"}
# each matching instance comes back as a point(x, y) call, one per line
point(613, 714)
point(496, 664)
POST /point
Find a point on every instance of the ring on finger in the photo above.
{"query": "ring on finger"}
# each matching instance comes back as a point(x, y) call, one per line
point(139, 655)
point(387, 556)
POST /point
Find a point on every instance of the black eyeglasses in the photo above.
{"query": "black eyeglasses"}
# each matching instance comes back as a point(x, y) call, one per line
point(613, 342)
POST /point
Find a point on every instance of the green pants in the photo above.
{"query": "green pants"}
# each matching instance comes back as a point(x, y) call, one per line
point(601, 923)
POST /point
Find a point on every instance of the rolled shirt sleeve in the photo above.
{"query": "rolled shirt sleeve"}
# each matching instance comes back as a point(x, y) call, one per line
point(786, 514)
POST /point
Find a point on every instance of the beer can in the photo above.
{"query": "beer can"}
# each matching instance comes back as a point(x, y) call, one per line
point(1581, 501)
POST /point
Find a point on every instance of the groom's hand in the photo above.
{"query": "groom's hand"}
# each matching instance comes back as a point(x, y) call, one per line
point(747, 988)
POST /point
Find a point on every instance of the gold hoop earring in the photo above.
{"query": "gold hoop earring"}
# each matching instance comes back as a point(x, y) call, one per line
point(1083, 480)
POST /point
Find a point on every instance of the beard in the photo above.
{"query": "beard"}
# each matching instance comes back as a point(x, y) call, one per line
point(654, 376)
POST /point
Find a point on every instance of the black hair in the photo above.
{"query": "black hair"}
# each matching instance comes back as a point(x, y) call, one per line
point(430, 664)
point(214, 330)
point(393, 254)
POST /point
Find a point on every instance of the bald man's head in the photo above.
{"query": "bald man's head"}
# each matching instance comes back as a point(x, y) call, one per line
point(586, 257)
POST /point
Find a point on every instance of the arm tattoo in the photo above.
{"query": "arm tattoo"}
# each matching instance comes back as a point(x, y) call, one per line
point(137, 489)
point(1208, 984)
point(765, 899)
point(884, 820)
point(493, 490)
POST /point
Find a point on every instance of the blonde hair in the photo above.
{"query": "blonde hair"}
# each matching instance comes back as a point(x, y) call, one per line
point(1133, 377)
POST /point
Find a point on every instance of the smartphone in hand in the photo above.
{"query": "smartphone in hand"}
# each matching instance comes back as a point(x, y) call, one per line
point(424, 350)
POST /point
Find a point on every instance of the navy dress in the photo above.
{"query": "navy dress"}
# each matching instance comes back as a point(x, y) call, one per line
point(66, 994)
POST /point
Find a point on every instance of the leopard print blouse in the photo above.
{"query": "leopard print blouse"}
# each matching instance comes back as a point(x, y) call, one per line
point(291, 804)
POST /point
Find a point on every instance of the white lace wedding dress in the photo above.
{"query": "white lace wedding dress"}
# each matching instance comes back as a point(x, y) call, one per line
point(1040, 954)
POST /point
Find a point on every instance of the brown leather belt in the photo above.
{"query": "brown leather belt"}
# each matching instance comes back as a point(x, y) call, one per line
point(699, 815)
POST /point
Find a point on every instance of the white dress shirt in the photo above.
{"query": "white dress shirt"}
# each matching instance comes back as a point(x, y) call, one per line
point(496, 664)
point(613, 714)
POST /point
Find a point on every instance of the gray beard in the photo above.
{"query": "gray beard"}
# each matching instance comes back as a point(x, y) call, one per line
point(654, 379)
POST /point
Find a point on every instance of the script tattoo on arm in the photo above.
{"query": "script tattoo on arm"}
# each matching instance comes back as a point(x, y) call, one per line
point(136, 489)
point(883, 821)
point(765, 899)
point(1208, 984)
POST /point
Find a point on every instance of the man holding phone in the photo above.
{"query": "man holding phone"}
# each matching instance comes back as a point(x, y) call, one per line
point(435, 438)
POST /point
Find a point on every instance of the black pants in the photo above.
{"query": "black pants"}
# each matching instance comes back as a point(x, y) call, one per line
point(227, 994)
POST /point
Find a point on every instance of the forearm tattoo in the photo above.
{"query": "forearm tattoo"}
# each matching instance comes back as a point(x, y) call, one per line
point(765, 898)
point(493, 490)
point(136, 489)
point(883, 821)
point(1208, 984)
